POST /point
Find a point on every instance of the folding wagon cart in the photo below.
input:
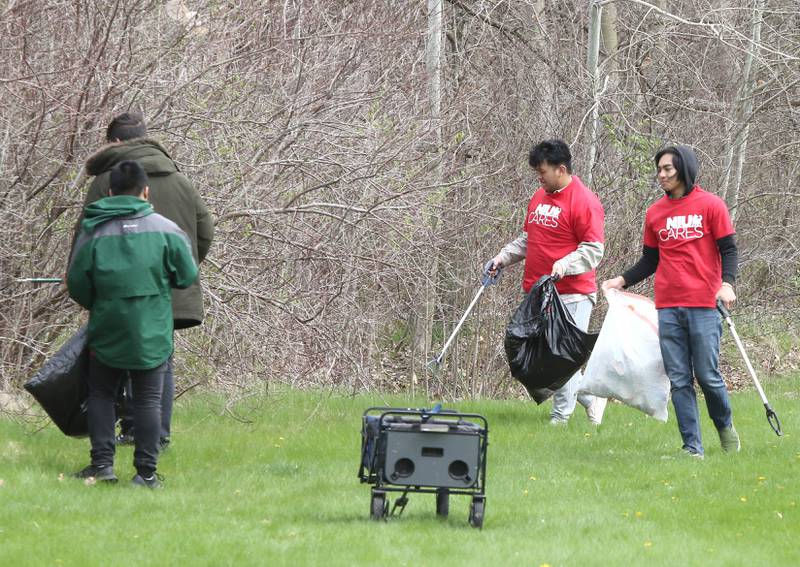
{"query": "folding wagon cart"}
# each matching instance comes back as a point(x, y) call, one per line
point(427, 451)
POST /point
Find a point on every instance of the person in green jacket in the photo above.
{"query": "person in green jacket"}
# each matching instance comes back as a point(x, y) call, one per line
point(125, 262)
point(175, 197)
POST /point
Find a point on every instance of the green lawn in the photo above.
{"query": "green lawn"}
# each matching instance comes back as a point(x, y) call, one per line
point(278, 486)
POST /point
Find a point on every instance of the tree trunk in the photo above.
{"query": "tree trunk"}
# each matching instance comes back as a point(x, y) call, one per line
point(608, 30)
point(433, 64)
point(602, 40)
point(592, 63)
point(740, 130)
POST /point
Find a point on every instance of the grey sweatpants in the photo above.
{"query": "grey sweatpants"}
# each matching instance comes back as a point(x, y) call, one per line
point(565, 397)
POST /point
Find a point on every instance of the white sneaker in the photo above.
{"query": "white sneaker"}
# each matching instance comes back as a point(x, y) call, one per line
point(558, 421)
point(596, 409)
point(692, 454)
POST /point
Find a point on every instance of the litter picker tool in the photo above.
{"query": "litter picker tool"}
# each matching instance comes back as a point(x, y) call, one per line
point(772, 418)
point(39, 280)
point(488, 280)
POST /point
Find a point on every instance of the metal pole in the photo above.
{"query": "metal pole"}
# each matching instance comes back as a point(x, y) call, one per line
point(746, 358)
point(772, 417)
point(438, 359)
point(39, 280)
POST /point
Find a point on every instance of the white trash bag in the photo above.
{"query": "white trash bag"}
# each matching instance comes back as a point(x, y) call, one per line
point(626, 361)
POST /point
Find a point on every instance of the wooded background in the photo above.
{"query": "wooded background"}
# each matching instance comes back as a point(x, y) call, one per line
point(364, 159)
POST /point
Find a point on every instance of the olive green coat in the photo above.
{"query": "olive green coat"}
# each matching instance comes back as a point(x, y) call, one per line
point(173, 196)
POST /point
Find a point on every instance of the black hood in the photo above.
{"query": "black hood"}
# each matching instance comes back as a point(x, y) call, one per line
point(689, 164)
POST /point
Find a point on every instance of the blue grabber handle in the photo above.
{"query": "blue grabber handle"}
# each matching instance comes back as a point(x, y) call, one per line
point(426, 414)
point(491, 280)
point(772, 417)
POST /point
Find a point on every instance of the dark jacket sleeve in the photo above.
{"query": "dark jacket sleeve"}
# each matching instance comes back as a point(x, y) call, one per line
point(729, 253)
point(205, 228)
point(98, 189)
point(79, 280)
point(204, 223)
point(644, 268)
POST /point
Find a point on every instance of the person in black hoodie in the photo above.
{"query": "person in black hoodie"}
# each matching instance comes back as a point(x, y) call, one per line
point(690, 245)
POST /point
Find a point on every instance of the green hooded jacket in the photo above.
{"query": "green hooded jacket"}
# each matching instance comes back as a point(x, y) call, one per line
point(173, 196)
point(124, 264)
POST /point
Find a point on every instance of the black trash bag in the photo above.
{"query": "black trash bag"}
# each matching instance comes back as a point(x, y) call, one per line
point(543, 345)
point(61, 386)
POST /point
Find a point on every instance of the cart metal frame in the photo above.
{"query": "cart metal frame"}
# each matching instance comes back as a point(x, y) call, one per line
point(446, 448)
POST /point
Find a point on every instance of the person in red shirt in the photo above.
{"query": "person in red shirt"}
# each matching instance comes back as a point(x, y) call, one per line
point(689, 243)
point(562, 236)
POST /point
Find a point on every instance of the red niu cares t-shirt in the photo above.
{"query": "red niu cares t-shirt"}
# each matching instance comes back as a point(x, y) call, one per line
point(556, 224)
point(686, 231)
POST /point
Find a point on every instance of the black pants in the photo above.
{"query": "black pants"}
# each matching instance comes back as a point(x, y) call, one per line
point(104, 383)
point(167, 399)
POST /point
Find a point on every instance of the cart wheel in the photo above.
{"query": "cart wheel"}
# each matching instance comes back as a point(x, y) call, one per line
point(442, 502)
point(476, 512)
point(379, 505)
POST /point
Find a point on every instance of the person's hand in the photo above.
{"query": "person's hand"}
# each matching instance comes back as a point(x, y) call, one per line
point(493, 266)
point(559, 268)
point(726, 295)
point(613, 283)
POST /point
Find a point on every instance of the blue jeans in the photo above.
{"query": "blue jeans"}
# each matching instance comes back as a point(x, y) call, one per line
point(689, 338)
point(104, 383)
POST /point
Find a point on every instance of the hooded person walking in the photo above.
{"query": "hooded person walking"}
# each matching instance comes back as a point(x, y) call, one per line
point(690, 245)
point(172, 195)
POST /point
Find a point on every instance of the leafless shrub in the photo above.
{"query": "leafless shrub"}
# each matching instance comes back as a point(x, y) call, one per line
point(346, 234)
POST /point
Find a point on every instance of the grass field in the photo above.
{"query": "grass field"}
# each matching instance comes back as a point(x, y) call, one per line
point(278, 486)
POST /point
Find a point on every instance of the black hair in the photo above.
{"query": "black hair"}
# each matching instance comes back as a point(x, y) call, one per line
point(127, 178)
point(677, 163)
point(554, 152)
point(684, 160)
point(126, 126)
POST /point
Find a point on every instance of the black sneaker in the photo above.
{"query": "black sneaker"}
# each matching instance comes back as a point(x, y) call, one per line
point(124, 439)
point(150, 482)
point(163, 444)
point(101, 474)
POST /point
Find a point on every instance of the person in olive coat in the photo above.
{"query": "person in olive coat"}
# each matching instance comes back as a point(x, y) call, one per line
point(172, 195)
